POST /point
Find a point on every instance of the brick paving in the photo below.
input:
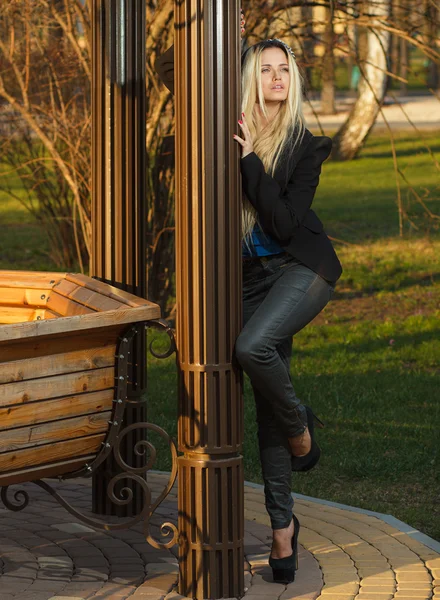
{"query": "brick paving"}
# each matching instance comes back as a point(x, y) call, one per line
point(46, 554)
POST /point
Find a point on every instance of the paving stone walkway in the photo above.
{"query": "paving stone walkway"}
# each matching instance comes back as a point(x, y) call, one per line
point(47, 554)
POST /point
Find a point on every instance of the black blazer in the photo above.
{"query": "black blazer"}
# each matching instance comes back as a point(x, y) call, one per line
point(283, 202)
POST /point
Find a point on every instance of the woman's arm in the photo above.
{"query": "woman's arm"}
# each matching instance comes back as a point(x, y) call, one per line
point(282, 212)
point(164, 66)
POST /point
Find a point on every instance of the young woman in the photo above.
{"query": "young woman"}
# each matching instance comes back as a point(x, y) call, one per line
point(289, 271)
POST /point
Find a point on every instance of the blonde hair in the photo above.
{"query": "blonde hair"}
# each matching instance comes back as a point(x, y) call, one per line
point(285, 131)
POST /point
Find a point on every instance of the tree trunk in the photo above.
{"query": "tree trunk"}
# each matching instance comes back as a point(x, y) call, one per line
point(328, 66)
point(432, 75)
point(372, 86)
point(404, 58)
point(308, 44)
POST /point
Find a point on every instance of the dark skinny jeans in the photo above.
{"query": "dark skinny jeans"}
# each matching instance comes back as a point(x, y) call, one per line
point(280, 297)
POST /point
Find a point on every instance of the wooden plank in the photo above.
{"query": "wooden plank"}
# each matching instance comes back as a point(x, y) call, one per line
point(93, 300)
point(56, 431)
point(21, 296)
point(13, 314)
point(50, 314)
point(55, 364)
point(44, 388)
point(64, 306)
point(59, 343)
point(53, 470)
point(79, 322)
point(29, 279)
point(107, 290)
point(44, 455)
point(34, 413)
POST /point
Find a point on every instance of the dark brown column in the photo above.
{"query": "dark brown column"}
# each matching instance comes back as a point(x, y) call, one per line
point(119, 189)
point(208, 277)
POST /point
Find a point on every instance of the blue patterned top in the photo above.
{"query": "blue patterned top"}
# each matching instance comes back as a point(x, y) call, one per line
point(263, 244)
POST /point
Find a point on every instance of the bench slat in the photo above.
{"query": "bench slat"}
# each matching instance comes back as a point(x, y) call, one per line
point(108, 290)
point(66, 429)
point(55, 364)
point(52, 470)
point(22, 296)
point(12, 314)
point(22, 392)
point(29, 279)
point(66, 307)
point(44, 455)
point(59, 343)
point(33, 413)
point(83, 295)
point(71, 325)
point(50, 314)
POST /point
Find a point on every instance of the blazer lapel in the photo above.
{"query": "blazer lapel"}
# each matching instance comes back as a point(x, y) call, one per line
point(287, 164)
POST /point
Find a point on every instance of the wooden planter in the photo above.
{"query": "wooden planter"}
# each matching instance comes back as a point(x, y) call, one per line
point(59, 336)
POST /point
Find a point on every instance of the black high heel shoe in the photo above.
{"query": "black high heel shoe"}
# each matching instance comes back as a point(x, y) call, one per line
point(309, 460)
point(284, 569)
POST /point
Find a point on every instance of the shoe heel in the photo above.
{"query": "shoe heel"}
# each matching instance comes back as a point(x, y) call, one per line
point(284, 569)
point(284, 576)
point(295, 541)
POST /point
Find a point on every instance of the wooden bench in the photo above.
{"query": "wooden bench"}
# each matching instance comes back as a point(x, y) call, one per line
point(59, 343)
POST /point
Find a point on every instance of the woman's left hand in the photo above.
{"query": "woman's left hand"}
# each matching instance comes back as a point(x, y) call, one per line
point(246, 143)
point(242, 21)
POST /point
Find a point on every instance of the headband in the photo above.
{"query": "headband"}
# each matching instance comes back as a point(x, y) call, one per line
point(286, 46)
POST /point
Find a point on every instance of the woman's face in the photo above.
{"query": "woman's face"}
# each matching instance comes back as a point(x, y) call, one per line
point(275, 76)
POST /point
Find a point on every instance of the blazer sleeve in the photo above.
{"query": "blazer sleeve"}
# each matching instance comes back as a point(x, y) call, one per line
point(281, 211)
point(164, 66)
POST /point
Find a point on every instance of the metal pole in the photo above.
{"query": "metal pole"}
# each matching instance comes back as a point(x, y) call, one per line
point(119, 192)
point(208, 277)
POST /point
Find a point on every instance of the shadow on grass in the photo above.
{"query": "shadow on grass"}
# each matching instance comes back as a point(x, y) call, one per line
point(420, 149)
point(328, 349)
point(422, 279)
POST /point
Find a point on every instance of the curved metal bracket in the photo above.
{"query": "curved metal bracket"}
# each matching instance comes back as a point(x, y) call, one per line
point(113, 443)
point(161, 324)
point(125, 494)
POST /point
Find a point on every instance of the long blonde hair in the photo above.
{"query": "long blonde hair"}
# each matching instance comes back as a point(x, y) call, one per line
point(286, 130)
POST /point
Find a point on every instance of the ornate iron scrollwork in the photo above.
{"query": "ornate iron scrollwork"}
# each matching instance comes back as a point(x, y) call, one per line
point(162, 324)
point(8, 503)
point(113, 444)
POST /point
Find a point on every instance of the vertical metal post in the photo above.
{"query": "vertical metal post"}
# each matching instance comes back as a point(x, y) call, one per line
point(208, 277)
point(119, 190)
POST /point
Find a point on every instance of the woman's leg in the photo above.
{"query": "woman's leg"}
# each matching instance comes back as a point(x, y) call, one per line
point(275, 455)
point(294, 299)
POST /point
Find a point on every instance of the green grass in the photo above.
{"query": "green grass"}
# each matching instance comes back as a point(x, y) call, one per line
point(370, 363)
point(375, 385)
point(23, 243)
point(358, 201)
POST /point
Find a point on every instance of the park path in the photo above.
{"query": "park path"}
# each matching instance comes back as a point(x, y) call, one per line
point(345, 554)
point(422, 110)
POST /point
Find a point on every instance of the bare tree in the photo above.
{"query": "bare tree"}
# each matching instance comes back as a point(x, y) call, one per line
point(160, 160)
point(372, 86)
point(328, 106)
point(45, 119)
point(45, 74)
point(45, 93)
